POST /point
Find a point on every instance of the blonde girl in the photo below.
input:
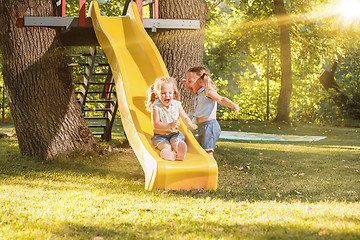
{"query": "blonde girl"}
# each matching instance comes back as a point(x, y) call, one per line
point(198, 81)
point(166, 110)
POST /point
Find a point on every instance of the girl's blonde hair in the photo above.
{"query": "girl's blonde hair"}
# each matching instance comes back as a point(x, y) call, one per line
point(204, 75)
point(155, 88)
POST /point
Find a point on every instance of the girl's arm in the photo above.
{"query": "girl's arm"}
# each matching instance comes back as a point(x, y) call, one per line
point(158, 124)
point(223, 101)
point(186, 119)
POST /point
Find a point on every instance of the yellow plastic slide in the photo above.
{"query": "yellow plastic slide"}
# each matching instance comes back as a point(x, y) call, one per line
point(136, 63)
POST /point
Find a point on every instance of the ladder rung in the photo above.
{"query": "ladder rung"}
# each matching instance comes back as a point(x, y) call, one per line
point(104, 83)
point(98, 110)
point(95, 83)
point(80, 55)
point(100, 101)
point(95, 92)
point(87, 64)
point(99, 74)
point(96, 126)
point(85, 55)
point(94, 74)
point(96, 118)
point(99, 92)
point(73, 65)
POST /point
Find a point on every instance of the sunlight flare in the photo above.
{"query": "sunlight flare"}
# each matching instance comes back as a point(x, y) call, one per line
point(349, 10)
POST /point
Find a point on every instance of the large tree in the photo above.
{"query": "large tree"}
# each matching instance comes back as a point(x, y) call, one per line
point(283, 107)
point(182, 49)
point(47, 118)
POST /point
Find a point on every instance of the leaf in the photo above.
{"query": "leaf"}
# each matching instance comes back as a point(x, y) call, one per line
point(297, 192)
point(98, 238)
point(322, 232)
point(217, 229)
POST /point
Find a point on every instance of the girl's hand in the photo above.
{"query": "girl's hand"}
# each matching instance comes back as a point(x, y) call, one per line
point(192, 127)
point(236, 108)
point(175, 124)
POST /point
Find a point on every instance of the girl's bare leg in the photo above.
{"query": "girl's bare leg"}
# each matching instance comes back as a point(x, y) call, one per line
point(210, 153)
point(180, 148)
point(166, 152)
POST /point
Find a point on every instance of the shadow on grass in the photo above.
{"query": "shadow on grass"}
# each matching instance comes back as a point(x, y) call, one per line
point(284, 172)
point(274, 229)
point(111, 168)
point(279, 171)
point(272, 176)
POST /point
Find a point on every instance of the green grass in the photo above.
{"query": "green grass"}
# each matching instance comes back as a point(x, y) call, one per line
point(285, 190)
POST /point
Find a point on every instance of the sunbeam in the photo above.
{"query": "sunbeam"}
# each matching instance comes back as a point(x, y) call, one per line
point(349, 11)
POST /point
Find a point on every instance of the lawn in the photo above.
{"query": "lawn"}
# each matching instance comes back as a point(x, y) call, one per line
point(266, 190)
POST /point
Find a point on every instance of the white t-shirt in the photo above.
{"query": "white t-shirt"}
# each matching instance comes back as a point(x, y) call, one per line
point(167, 115)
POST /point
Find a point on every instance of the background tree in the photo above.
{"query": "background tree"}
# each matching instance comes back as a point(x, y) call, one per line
point(283, 104)
point(47, 118)
point(242, 50)
point(181, 49)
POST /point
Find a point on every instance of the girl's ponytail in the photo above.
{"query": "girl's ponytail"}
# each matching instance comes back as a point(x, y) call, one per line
point(151, 97)
point(205, 76)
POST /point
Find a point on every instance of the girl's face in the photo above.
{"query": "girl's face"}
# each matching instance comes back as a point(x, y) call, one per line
point(192, 82)
point(166, 94)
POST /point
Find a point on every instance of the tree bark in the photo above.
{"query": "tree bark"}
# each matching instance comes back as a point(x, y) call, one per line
point(182, 49)
point(47, 117)
point(283, 105)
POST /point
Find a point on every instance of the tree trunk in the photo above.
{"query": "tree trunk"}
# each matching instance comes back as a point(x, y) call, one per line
point(182, 49)
point(283, 106)
point(47, 118)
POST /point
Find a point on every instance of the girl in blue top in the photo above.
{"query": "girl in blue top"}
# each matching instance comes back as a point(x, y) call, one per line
point(198, 81)
point(165, 107)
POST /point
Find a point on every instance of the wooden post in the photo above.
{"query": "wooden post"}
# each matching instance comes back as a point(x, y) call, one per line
point(139, 4)
point(156, 9)
point(63, 8)
point(82, 13)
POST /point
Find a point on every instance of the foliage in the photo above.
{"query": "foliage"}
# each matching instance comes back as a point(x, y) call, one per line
point(109, 7)
point(241, 51)
point(238, 40)
point(267, 190)
point(348, 77)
